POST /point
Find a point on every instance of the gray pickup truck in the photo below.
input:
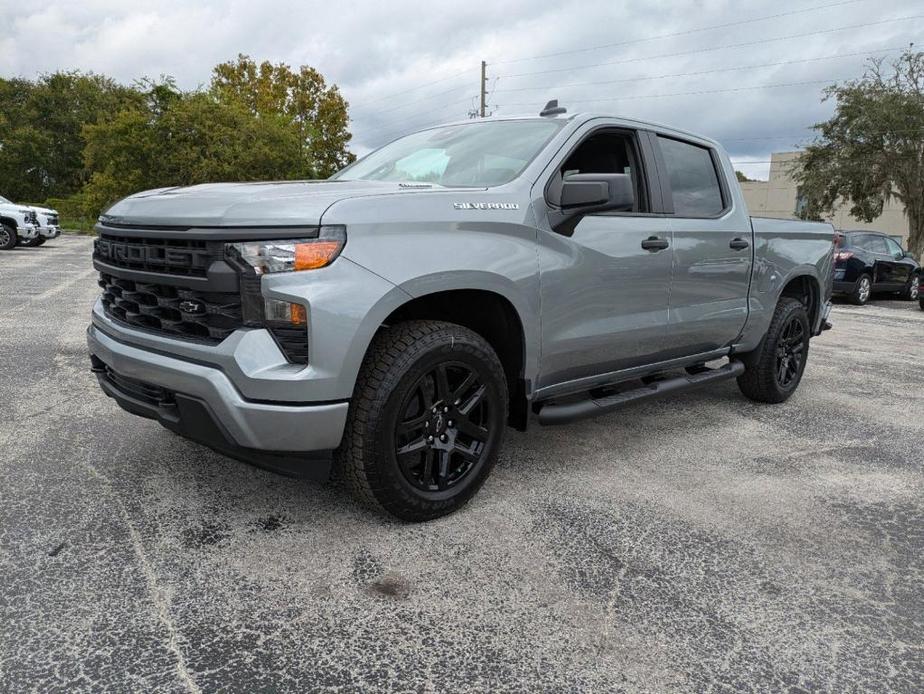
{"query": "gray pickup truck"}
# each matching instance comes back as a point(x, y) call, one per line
point(394, 319)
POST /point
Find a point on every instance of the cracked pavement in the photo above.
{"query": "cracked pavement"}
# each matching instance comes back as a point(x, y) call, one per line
point(699, 543)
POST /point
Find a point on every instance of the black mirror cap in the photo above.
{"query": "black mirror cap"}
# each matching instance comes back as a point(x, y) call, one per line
point(597, 192)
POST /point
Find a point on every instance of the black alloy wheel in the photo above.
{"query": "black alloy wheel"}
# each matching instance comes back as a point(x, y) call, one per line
point(444, 427)
point(790, 352)
point(773, 371)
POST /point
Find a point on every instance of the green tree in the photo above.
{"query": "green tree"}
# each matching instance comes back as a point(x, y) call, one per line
point(173, 138)
point(40, 130)
point(742, 178)
point(317, 111)
point(872, 149)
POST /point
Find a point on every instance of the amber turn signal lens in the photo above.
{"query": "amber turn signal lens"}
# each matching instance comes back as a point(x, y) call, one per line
point(315, 254)
point(298, 315)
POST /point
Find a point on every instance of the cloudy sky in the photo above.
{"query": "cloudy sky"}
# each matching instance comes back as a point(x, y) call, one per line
point(748, 73)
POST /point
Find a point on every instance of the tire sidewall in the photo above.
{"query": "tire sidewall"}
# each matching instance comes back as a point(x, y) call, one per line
point(13, 238)
point(856, 296)
point(445, 348)
point(913, 284)
point(792, 310)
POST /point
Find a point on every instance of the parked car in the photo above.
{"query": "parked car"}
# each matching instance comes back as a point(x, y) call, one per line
point(18, 224)
point(45, 221)
point(49, 226)
point(454, 281)
point(868, 262)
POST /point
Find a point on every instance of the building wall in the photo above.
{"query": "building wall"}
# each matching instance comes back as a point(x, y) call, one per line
point(777, 197)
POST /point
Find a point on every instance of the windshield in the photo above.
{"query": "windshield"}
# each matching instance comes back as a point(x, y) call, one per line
point(474, 155)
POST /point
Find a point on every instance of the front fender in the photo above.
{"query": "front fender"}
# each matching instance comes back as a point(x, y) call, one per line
point(346, 305)
point(517, 293)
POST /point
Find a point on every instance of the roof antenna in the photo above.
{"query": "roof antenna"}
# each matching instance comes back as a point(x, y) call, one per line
point(552, 109)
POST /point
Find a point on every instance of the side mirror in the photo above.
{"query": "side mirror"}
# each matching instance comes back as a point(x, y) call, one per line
point(583, 194)
point(601, 192)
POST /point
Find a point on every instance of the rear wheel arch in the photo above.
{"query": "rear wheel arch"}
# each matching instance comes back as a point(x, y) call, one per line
point(806, 289)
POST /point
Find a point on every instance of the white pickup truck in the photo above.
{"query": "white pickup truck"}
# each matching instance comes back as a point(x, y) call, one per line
point(43, 220)
point(18, 224)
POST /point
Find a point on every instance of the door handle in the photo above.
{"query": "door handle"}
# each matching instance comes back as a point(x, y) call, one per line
point(653, 243)
point(738, 244)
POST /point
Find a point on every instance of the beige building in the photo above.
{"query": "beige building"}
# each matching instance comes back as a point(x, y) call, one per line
point(779, 197)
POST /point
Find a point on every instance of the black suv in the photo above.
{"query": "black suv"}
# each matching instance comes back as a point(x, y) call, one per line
point(868, 261)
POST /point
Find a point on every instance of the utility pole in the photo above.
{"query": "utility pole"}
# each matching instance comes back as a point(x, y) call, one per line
point(484, 89)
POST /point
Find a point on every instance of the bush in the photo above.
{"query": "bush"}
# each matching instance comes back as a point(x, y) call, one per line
point(73, 215)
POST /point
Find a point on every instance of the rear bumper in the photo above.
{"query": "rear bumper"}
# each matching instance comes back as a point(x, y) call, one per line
point(201, 403)
point(844, 287)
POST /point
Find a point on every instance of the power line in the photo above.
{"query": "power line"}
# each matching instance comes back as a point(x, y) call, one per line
point(681, 33)
point(782, 137)
point(700, 72)
point(417, 116)
point(419, 86)
point(709, 91)
point(642, 78)
point(404, 104)
point(716, 48)
point(645, 77)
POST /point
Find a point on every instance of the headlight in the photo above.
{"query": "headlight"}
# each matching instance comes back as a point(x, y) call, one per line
point(290, 255)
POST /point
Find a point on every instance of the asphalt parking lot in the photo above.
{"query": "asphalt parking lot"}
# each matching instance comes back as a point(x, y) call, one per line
point(702, 543)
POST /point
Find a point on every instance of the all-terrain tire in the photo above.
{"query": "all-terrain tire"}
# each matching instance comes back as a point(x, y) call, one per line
point(761, 379)
point(400, 359)
point(861, 291)
point(39, 240)
point(31, 243)
point(8, 237)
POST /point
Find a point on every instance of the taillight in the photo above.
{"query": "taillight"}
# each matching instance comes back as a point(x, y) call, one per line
point(843, 255)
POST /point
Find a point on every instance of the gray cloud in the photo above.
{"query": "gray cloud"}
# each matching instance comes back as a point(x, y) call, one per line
point(380, 53)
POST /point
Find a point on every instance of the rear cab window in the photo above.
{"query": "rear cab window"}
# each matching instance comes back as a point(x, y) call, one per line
point(696, 190)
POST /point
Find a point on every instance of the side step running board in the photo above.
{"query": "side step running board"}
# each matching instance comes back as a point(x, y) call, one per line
point(553, 413)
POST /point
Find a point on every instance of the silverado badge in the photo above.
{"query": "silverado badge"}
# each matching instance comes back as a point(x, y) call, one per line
point(486, 205)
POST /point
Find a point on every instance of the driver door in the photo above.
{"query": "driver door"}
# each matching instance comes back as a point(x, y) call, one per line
point(604, 289)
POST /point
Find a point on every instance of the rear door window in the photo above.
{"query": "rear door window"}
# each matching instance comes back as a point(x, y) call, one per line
point(877, 244)
point(694, 181)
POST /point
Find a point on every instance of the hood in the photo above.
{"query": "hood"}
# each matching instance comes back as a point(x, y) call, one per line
point(43, 210)
point(286, 203)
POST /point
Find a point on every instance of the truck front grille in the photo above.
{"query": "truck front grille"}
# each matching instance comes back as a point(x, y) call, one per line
point(177, 311)
point(183, 288)
point(171, 256)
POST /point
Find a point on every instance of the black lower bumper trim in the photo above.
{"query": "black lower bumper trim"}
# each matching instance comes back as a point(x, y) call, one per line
point(193, 419)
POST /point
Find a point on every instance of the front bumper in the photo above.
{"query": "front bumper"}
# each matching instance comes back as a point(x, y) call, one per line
point(27, 232)
point(49, 232)
point(200, 402)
